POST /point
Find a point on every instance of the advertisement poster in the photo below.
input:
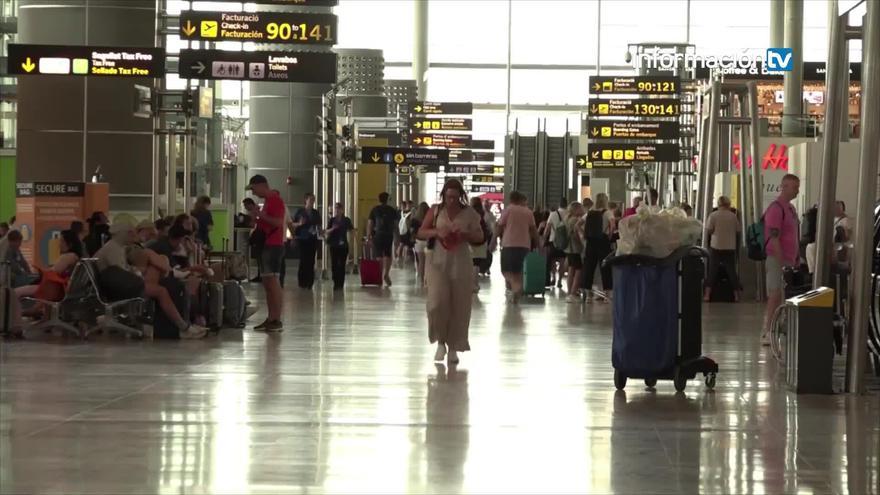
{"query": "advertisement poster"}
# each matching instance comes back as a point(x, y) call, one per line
point(43, 210)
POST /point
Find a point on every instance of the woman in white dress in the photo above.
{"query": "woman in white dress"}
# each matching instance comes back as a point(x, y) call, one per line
point(450, 228)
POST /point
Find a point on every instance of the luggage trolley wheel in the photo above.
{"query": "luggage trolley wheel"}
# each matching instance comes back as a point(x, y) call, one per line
point(710, 380)
point(679, 380)
point(650, 382)
point(619, 380)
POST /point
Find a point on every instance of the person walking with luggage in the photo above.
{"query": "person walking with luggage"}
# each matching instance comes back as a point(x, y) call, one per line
point(269, 235)
point(479, 251)
point(723, 231)
point(519, 234)
point(574, 246)
point(781, 245)
point(307, 227)
point(381, 225)
point(336, 236)
point(556, 254)
point(450, 227)
point(597, 228)
point(420, 247)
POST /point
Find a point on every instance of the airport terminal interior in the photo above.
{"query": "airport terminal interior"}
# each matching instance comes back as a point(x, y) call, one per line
point(439, 246)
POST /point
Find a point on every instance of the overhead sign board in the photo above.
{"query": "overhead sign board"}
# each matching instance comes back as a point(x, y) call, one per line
point(427, 124)
point(400, 157)
point(635, 85)
point(632, 129)
point(474, 169)
point(637, 107)
point(611, 155)
point(467, 156)
point(306, 67)
point(391, 138)
point(486, 178)
point(482, 144)
point(102, 61)
point(441, 140)
point(443, 108)
point(261, 27)
point(487, 188)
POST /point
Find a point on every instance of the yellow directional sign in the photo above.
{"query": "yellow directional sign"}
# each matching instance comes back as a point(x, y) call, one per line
point(376, 157)
point(209, 29)
point(417, 108)
point(28, 65)
point(581, 161)
point(188, 29)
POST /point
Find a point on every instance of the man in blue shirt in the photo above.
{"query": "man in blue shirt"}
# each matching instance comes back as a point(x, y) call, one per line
point(336, 235)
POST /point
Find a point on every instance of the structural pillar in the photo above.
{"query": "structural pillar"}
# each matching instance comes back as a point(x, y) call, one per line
point(834, 77)
point(793, 85)
point(777, 23)
point(869, 145)
point(420, 47)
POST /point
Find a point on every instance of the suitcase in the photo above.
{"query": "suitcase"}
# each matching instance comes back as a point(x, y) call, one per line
point(228, 265)
point(656, 314)
point(370, 269)
point(211, 302)
point(234, 304)
point(534, 274)
point(723, 290)
point(163, 327)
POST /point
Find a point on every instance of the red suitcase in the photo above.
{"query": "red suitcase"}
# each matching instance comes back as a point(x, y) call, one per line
point(370, 269)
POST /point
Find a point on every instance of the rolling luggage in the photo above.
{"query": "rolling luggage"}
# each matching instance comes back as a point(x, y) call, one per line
point(163, 327)
point(228, 265)
point(723, 290)
point(370, 269)
point(534, 274)
point(211, 302)
point(234, 305)
point(657, 311)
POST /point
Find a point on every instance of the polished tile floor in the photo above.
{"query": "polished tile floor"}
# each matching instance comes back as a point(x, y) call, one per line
point(348, 400)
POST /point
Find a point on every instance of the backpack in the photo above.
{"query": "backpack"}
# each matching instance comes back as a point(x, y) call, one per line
point(593, 228)
point(385, 221)
point(403, 225)
point(561, 239)
point(808, 226)
point(756, 246)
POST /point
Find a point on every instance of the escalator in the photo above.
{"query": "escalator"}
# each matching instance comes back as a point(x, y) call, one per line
point(555, 171)
point(526, 165)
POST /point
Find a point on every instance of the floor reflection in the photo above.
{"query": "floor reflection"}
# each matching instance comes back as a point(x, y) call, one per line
point(447, 433)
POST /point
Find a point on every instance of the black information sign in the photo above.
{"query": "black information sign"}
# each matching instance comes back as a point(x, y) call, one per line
point(258, 66)
point(483, 144)
point(639, 107)
point(631, 129)
point(487, 188)
point(67, 60)
point(610, 155)
point(635, 85)
point(486, 178)
point(393, 137)
point(441, 140)
point(427, 124)
point(261, 27)
point(67, 189)
point(467, 156)
point(443, 108)
point(399, 157)
point(474, 169)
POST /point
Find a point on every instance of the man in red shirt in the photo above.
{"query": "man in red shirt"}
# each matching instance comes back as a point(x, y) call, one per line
point(269, 232)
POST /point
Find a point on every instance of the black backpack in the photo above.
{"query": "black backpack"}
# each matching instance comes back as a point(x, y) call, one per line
point(808, 226)
point(593, 227)
point(385, 223)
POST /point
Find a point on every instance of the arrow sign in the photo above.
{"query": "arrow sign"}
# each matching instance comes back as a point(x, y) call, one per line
point(417, 125)
point(28, 66)
point(417, 108)
point(189, 29)
point(594, 132)
point(593, 109)
point(199, 67)
point(375, 157)
point(595, 155)
point(596, 86)
point(582, 160)
point(417, 140)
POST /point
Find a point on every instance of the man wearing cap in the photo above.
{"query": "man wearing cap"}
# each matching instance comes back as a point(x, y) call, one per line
point(114, 253)
point(269, 233)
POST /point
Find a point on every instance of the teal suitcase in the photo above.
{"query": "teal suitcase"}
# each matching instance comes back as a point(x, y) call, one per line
point(534, 274)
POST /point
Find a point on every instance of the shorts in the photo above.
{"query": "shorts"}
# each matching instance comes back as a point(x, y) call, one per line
point(775, 281)
point(512, 259)
point(270, 261)
point(575, 261)
point(382, 247)
point(553, 253)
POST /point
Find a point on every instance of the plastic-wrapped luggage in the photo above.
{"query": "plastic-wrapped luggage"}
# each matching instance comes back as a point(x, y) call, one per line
point(657, 310)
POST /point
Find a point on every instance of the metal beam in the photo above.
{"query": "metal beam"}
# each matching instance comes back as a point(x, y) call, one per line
point(834, 77)
point(869, 145)
point(713, 131)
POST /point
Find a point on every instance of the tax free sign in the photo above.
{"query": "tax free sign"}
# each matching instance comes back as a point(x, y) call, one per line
point(769, 61)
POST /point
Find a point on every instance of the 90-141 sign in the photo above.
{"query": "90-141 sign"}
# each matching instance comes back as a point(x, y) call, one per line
point(260, 27)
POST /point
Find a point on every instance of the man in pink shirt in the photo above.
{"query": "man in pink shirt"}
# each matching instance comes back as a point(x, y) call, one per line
point(518, 232)
point(781, 236)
